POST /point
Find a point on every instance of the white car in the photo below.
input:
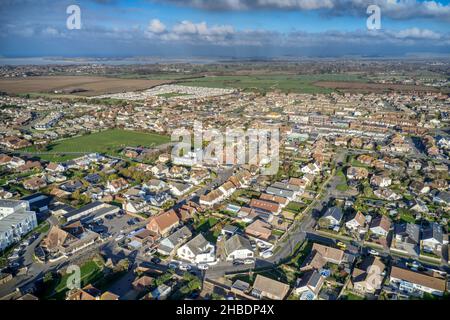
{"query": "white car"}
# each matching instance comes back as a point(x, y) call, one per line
point(249, 261)
point(267, 254)
point(119, 237)
point(185, 267)
point(203, 266)
point(374, 252)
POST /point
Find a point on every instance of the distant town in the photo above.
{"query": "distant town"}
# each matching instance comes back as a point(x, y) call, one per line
point(358, 209)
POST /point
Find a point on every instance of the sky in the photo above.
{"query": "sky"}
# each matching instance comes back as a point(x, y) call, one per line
point(224, 28)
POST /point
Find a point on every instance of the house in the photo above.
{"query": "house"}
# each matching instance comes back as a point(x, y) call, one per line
point(238, 247)
point(381, 181)
point(357, 173)
point(270, 197)
point(117, 185)
point(442, 197)
point(367, 278)
point(197, 250)
point(178, 189)
point(416, 283)
point(55, 167)
point(320, 255)
point(38, 202)
point(380, 226)
point(259, 229)
point(264, 287)
point(265, 206)
point(164, 222)
point(170, 243)
point(406, 238)
point(356, 222)
point(312, 168)
point(212, 198)
point(142, 283)
point(228, 188)
point(229, 230)
point(334, 216)
point(34, 183)
point(154, 185)
point(432, 238)
point(309, 285)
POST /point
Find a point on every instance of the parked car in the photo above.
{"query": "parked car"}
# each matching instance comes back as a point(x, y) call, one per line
point(185, 267)
point(203, 266)
point(237, 262)
point(109, 217)
point(155, 260)
point(249, 261)
point(173, 265)
point(119, 237)
point(267, 254)
point(374, 252)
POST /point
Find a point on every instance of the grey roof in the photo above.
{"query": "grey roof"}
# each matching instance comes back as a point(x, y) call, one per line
point(198, 245)
point(285, 186)
point(444, 196)
point(434, 231)
point(241, 285)
point(334, 212)
point(179, 235)
point(237, 242)
point(310, 278)
point(409, 230)
point(280, 192)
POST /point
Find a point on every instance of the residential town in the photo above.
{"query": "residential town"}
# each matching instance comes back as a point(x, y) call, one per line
point(358, 209)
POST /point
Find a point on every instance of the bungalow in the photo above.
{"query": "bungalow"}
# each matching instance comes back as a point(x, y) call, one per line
point(259, 229)
point(270, 197)
point(266, 206)
point(154, 185)
point(117, 185)
point(228, 188)
point(91, 212)
point(406, 238)
point(178, 189)
point(197, 250)
point(312, 168)
point(168, 244)
point(416, 283)
point(357, 173)
point(380, 181)
point(212, 198)
point(368, 277)
point(164, 222)
point(432, 238)
point(264, 287)
point(34, 183)
point(238, 247)
point(55, 167)
point(380, 226)
point(334, 216)
point(356, 222)
point(309, 285)
point(320, 255)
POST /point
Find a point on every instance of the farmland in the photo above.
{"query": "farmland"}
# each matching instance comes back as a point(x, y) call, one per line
point(108, 142)
point(264, 83)
point(75, 85)
point(371, 87)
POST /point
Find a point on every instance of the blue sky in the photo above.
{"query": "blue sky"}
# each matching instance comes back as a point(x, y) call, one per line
point(220, 28)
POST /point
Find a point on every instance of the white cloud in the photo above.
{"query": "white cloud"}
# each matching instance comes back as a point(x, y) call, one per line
point(416, 33)
point(156, 26)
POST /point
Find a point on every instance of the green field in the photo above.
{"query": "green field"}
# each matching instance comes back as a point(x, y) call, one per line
point(264, 83)
point(107, 142)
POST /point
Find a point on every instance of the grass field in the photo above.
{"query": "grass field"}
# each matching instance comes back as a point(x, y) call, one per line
point(264, 83)
point(107, 142)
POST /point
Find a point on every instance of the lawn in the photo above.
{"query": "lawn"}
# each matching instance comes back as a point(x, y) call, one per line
point(107, 142)
point(90, 272)
point(264, 83)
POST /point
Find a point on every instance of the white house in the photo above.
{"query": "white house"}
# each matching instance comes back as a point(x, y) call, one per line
point(311, 168)
point(238, 247)
point(357, 222)
point(416, 283)
point(197, 250)
point(308, 287)
point(432, 238)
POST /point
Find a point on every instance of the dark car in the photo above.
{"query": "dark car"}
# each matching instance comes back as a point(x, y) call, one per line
point(109, 217)
point(155, 260)
point(237, 262)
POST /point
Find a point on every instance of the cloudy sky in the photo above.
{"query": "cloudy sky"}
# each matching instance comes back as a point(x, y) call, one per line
point(224, 28)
